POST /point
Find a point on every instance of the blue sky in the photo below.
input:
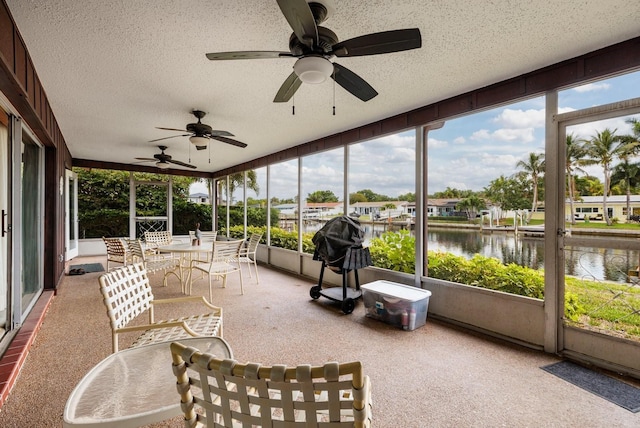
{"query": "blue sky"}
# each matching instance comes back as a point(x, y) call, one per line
point(467, 153)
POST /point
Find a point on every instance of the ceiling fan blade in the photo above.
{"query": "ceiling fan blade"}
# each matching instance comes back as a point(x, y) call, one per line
point(218, 133)
point(175, 162)
point(352, 82)
point(229, 141)
point(166, 138)
point(146, 159)
point(218, 56)
point(172, 129)
point(288, 88)
point(379, 43)
point(299, 16)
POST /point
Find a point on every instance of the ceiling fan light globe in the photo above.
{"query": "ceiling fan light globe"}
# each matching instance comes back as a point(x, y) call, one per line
point(313, 69)
point(162, 165)
point(199, 141)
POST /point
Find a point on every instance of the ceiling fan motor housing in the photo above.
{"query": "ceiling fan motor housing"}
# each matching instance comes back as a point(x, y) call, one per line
point(326, 40)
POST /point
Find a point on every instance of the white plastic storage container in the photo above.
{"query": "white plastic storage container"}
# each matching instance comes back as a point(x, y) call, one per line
point(397, 304)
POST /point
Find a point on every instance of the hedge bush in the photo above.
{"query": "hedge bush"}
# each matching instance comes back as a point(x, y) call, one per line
point(396, 251)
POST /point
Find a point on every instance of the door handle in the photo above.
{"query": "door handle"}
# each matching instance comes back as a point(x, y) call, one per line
point(4, 232)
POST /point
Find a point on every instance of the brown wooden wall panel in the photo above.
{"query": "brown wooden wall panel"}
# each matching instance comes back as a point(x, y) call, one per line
point(606, 60)
point(422, 115)
point(30, 85)
point(392, 124)
point(20, 66)
point(370, 131)
point(36, 93)
point(332, 142)
point(312, 147)
point(495, 94)
point(455, 106)
point(551, 78)
point(350, 136)
point(6, 35)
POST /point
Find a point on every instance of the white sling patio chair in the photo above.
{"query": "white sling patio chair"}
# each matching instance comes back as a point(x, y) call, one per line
point(155, 262)
point(217, 392)
point(224, 261)
point(126, 294)
point(248, 254)
point(117, 252)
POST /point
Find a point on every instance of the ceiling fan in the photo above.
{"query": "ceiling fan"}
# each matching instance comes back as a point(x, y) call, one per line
point(314, 46)
point(199, 133)
point(164, 160)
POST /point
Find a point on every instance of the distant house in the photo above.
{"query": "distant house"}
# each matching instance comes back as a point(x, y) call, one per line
point(286, 210)
point(321, 209)
point(591, 207)
point(377, 209)
point(199, 198)
point(441, 207)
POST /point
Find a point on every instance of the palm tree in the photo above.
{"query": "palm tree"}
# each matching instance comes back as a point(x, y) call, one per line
point(471, 205)
point(627, 176)
point(237, 180)
point(603, 149)
point(635, 128)
point(574, 155)
point(534, 168)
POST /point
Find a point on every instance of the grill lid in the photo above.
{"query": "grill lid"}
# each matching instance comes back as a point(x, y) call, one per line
point(336, 237)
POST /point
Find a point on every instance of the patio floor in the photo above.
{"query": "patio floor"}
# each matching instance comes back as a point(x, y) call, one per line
point(438, 375)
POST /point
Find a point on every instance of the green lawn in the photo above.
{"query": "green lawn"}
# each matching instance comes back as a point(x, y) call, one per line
point(607, 306)
point(603, 225)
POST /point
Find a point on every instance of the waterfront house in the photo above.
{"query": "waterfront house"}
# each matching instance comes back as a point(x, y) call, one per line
point(592, 207)
point(199, 198)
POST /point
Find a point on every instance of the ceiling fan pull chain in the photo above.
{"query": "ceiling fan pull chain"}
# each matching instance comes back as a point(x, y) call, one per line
point(293, 106)
point(209, 153)
point(334, 94)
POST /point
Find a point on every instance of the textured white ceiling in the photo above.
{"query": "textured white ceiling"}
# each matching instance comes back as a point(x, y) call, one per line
point(114, 70)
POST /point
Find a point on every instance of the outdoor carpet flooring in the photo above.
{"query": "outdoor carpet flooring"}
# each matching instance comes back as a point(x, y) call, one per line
point(89, 267)
point(609, 388)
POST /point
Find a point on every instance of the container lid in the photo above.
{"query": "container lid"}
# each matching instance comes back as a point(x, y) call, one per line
point(393, 289)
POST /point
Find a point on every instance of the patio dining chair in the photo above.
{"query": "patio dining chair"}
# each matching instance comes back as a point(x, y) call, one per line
point(155, 239)
point(206, 237)
point(153, 262)
point(127, 294)
point(216, 392)
point(117, 252)
point(224, 261)
point(248, 254)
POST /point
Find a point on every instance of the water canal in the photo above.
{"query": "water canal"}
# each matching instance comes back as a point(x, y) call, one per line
point(585, 262)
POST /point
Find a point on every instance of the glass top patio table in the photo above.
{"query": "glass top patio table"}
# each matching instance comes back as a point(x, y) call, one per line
point(186, 248)
point(133, 387)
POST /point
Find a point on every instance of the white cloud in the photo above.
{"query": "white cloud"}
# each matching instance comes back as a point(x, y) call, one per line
point(434, 143)
point(587, 130)
point(482, 134)
point(589, 87)
point(565, 109)
point(510, 118)
point(460, 140)
point(524, 135)
point(505, 161)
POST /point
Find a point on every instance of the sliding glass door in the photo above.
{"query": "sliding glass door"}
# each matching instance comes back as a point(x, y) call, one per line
point(27, 220)
point(71, 215)
point(4, 224)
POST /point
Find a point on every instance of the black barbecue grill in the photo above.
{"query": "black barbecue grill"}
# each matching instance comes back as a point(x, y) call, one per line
point(339, 247)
